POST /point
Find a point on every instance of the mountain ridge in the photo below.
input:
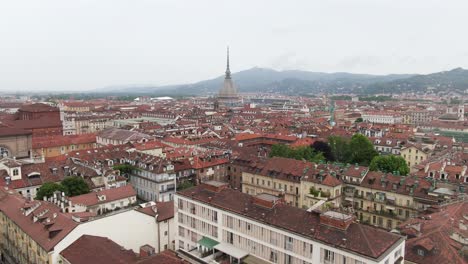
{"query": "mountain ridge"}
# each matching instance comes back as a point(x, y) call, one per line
point(306, 82)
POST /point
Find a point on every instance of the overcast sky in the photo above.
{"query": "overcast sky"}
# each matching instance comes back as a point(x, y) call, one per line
point(80, 44)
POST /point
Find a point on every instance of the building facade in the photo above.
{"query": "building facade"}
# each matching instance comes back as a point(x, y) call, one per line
point(215, 222)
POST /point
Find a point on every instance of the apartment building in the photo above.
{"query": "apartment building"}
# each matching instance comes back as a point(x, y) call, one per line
point(53, 146)
point(385, 200)
point(37, 231)
point(414, 154)
point(154, 178)
point(382, 118)
point(216, 223)
point(418, 117)
point(301, 183)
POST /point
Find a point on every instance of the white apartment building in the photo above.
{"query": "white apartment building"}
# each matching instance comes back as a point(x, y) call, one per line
point(382, 118)
point(154, 182)
point(215, 224)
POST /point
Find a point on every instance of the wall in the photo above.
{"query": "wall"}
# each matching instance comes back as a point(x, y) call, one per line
point(130, 229)
point(18, 146)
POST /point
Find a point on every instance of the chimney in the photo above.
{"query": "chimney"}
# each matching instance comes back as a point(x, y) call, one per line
point(146, 251)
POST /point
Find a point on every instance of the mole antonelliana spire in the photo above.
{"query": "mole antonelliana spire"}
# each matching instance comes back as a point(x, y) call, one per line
point(228, 91)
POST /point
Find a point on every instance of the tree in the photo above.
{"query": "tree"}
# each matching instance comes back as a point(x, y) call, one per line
point(184, 185)
point(324, 148)
point(279, 150)
point(298, 153)
point(390, 163)
point(124, 168)
point(359, 120)
point(361, 150)
point(48, 189)
point(339, 147)
point(75, 185)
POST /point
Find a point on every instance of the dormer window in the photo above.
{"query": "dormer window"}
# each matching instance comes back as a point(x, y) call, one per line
point(420, 252)
point(15, 172)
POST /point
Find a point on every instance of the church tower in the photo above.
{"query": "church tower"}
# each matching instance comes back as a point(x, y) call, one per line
point(228, 91)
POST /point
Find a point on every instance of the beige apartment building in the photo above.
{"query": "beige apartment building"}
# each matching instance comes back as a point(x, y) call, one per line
point(414, 155)
point(300, 183)
point(385, 200)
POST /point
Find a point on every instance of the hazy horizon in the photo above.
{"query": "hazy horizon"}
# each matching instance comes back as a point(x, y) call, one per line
point(85, 44)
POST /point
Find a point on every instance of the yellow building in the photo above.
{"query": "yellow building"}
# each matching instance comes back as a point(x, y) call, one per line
point(48, 147)
point(386, 200)
point(301, 183)
point(29, 230)
point(414, 155)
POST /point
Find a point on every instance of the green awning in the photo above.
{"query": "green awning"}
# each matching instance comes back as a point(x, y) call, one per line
point(208, 242)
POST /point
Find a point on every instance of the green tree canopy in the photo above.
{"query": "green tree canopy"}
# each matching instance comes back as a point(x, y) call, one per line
point(75, 185)
point(48, 189)
point(298, 153)
point(184, 185)
point(324, 148)
point(359, 120)
point(390, 163)
point(361, 150)
point(124, 168)
point(339, 148)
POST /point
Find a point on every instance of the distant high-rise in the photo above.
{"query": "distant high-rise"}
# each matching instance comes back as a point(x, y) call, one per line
point(229, 91)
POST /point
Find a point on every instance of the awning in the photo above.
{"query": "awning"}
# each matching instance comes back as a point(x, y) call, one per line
point(208, 242)
point(390, 207)
point(254, 260)
point(350, 199)
point(231, 250)
point(391, 198)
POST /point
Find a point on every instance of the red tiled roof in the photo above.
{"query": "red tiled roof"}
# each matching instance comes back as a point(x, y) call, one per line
point(113, 194)
point(432, 234)
point(164, 210)
point(358, 238)
point(12, 131)
point(57, 141)
point(95, 249)
point(46, 237)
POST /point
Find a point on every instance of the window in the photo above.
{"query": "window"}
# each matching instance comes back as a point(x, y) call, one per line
point(273, 256)
point(15, 172)
point(288, 259)
point(329, 256)
point(420, 252)
point(288, 243)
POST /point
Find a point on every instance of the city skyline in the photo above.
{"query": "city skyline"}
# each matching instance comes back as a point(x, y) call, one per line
point(88, 45)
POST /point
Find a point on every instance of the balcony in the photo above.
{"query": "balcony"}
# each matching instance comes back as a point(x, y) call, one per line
point(167, 190)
